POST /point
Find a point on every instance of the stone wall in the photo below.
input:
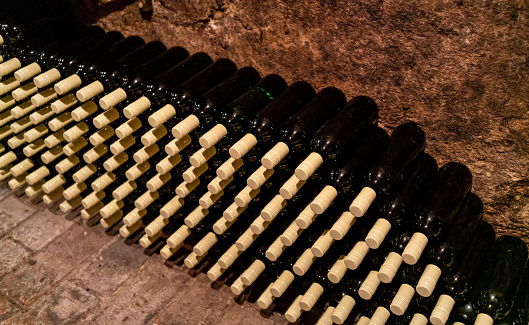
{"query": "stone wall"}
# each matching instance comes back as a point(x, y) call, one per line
point(458, 68)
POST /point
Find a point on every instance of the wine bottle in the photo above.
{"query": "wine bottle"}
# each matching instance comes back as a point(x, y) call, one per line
point(434, 220)
point(520, 312)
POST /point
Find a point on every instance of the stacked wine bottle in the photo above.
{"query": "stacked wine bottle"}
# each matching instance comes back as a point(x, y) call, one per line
point(297, 200)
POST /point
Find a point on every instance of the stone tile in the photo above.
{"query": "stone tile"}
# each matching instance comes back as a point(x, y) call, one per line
point(113, 266)
point(245, 314)
point(13, 211)
point(66, 304)
point(40, 229)
point(4, 190)
point(7, 309)
point(29, 282)
point(12, 255)
point(140, 298)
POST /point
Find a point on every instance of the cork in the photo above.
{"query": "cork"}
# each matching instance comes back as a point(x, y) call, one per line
point(228, 168)
point(166, 252)
point(171, 207)
point(37, 175)
point(21, 109)
point(259, 177)
point(41, 115)
point(414, 248)
point(306, 217)
point(251, 274)
point(291, 234)
point(203, 246)
point(272, 209)
point(362, 202)
point(92, 211)
point(259, 225)
point(228, 258)
point(5, 132)
point(66, 164)
point(304, 262)
point(122, 191)
point(241, 147)
point(7, 159)
point(266, 299)
point(36, 133)
point(343, 310)
point(134, 217)
point(294, 311)
point(84, 173)
point(215, 272)
point(17, 182)
point(101, 136)
point(145, 153)
point(165, 165)
point(71, 148)
point(291, 187)
point(282, 283)
point(157, 181)
point(112, 220)
point(122, 144)
point(145, 200)
point(402, 299)
point(95, 153)
point(483, 319)
point(338, 270)
point(192, 260)
point(103, 181)
point(89, 91)
point(275, 155)
point(24, 92)
point(208, 199)
point(63, 103)
point(185, 126)
point(218, 184)
point(34, 148)
point(84, 111)
point(53, 183)
point(111, 208)
point(232, 212)
point(378, 232)
point(185, 188)
point(105, 118)
point(137, 107)
point(5, 118)
point(245, 196)
point(237, 287)
point(153, 135)
point(112, 99)
point(419, 319)
point(324, 199)
point(53, 197)
point(9, 66)
point(428, 280)
point(356, 255)
point(389, 268)
point(195, 217)
point(8, 85)
point(156, 226)
point(326, 317)
point(363, 321)
point(311, 296)
point(60, 121)
point(211, 137)
point(115, 161)
point(91, 199)
point(6, 102)
point(175, 146)
point(369, 286)
point(308, 166)
point(146, 241)
point(137, 170)
point(380, 316)
point(442, 310)
point(221, 225)
point(161, 116)
point(275, 250)
point(127, 128)
point(322, 244)
point(67, 84)
point(193, 173)
point(245, 240)
point(22, 167)
point(21, 124)
point(54, 139)
point(75, 132)
point(27, 72)
point(51, 155)
point(47, 78)
point(178, 237)
point(31, 191)
point(200, 157)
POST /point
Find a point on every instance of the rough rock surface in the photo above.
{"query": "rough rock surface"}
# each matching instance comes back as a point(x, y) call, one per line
point(458, 68)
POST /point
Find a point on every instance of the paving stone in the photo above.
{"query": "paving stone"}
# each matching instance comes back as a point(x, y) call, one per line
point(40, 229)
point(7, 309)
point(29, 282)
point(140, 298)
point(113, 266)
point(245, 314)
point(67, 304)
point(4, 190)
point(13, 212)
point(12, 255)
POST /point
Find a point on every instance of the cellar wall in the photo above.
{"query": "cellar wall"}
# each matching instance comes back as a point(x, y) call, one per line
point(458, 68)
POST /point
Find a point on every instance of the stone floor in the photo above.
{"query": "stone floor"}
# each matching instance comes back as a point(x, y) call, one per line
point(59, 271)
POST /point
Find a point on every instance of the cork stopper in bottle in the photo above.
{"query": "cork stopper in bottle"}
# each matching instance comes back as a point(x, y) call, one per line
point(84, 173)
point(36, 133)
point(228, 258)
point(200, 157)
point(215, 272)
point(47, 78)
point(22, 167)
point(185, 126)
point(185, 188)
point(37, 175)
point(111, 208)
point(275, 250)
point(158, 180)
point(112, 99)
point(306, 217)
point(324, 199)
point(369, 286)
point(54, 139)
point(192, 260)
point(211, 137)
point(344, 308)
point(402, 299)
point(304, 262)
point(221, 225)
point(112, 220)
point(326, 317)
point(483, 319)
point(161, 116)
point(146, 241)
point(27, 72)
point(195, 217)
point(9, 66)
point(6, 102)
point(53, 183)
point(7, 159)
point(134, 217)
point(33, 148)
point(145, 153)
point(41, 115)
point(122, 191)
point(137, 170)
point(291, 234)
point(259, 225)
point(177, 145)
point(414, 248)
point(338, 270)
point(91, 199)
point(245, 240)
point(153, 136)
point(67, 84)
point(378, 232)
point(282, 283)
point(294, 311)
point(165, 165)
point(193, 173)
point(238, 287)
point(21, 125)
point(218, 184)
point(115, 161)
point(8, 85)
point(53, 197)
point(356, 255)
point(266, 299)
point(66, 164)
point(322, 244)
point(83, 111)
point(389, 268)
point(178, 237)
point(137, 107)
point(60, 121)
point(203, 246)
point(103, 181)
point(92, 211)
point(156, 226)
point(127, 128)
point(51, 155)
point(122, 144)
point(241, 147)
point(207, 200)
point(251, 274)
point(272, 209)
point(363, 321)
point(380, 316)
point(145, 200)
point(228, 168)
point(275, 155)
point(171, 207)
point(245, 196)
point(419, 319)
point(259, 177)
point(311, 296)
point(291, 187)
point(89, 91)
point(442, 310)
point(166, 252)
point(75, 132)
point(74, 146)
point(428, 280)
point(362, 202)
point(233, 212)
point(24, 92)
point(63, 103)
point(19, 110)
point(31, 191)
point(308, 166)
point(95, 153)
point(105, 118)
point(17, 182)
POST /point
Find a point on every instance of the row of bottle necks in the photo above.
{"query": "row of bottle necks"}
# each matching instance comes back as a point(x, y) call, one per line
point(125, 160)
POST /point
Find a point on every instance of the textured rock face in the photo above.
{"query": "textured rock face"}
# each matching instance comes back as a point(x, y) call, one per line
point(457, 68)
